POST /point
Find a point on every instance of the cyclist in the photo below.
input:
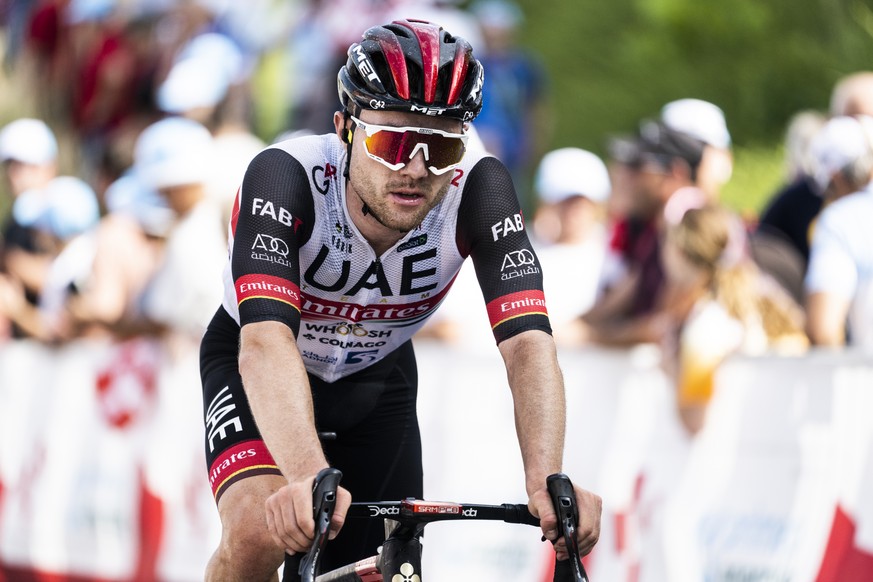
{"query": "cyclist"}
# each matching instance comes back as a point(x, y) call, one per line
point(341, 245)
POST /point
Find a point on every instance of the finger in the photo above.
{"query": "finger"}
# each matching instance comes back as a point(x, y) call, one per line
point(276, 523)
point(301, 503)
point(285, 520)
point(343, 501)
point(590, 510)
point(561, 552)
point(540, 505)
point(271, 525)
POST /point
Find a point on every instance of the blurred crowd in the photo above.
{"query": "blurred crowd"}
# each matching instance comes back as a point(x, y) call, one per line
point(639, 249)
point(138, 117)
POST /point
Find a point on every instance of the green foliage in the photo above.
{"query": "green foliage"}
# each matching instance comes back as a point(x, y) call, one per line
point(759, 171)
point(614, 63)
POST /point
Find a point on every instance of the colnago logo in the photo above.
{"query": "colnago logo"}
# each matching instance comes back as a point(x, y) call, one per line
point(407, 574)
point(267, 287)
point(332, 341)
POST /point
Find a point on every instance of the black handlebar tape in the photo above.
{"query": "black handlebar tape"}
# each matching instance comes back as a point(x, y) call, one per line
point(323, 503)
point(564, 500)
point(518, 513)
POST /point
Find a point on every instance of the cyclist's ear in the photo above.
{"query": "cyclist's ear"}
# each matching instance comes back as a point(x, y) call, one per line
point(341, 127)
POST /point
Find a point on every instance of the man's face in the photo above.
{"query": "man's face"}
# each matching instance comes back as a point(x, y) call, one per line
point(399, 199)
point(649, 193)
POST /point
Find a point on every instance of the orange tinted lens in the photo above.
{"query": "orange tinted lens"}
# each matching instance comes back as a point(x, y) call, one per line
point(444, 151)
point(396, 147)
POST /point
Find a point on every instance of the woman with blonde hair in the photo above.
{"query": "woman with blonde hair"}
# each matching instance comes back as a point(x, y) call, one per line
point(726, 305)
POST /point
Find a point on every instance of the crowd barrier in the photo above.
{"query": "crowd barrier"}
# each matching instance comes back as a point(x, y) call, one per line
point(102, 477)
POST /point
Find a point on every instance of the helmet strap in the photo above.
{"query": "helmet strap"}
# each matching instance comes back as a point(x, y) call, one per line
point(350, 133)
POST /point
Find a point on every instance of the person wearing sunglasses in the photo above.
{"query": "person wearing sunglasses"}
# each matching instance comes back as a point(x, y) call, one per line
point(341, 246)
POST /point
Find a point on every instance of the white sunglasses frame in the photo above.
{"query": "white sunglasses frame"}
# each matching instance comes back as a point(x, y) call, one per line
point(372, 128)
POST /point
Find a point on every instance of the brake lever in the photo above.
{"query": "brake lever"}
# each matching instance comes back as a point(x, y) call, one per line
point(324, 490)
point(564, 500)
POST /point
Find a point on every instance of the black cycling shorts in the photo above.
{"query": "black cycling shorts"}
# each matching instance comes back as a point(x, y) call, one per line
point(372, 412)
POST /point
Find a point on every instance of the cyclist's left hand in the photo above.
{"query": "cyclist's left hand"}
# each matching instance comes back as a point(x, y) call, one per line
point(588, 531)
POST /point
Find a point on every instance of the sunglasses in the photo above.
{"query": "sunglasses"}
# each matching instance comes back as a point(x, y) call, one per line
point(394, 146)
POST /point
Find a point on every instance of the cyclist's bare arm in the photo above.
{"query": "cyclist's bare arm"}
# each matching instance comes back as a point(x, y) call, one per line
point(538, 395)
point(538, 398)
point(277, 388)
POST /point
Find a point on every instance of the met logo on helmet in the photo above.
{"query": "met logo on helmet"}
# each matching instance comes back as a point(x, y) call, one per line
point(433, 111)
point(365, 65)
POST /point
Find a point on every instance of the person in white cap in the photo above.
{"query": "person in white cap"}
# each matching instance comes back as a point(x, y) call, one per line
point(839, 279)
point(127, 247)
point(28, 153)
point(572, 185)
point(59, 214)
point(173, 156)
point(704, 121)
point(791, 211)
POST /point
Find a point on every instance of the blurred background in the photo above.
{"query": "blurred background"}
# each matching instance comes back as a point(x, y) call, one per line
point(676, 154)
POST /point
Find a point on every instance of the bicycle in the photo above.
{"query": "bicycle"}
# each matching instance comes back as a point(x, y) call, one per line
point(400, 556)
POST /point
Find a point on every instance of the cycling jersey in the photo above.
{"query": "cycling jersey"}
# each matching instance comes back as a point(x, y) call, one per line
point(295, 256)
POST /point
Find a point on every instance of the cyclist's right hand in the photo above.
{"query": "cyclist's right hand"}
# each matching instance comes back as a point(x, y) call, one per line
point(289, 515)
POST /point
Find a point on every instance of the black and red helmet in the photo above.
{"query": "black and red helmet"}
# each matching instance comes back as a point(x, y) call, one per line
point(414, 66)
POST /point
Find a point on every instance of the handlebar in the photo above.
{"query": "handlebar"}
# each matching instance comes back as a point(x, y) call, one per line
point(414, 513)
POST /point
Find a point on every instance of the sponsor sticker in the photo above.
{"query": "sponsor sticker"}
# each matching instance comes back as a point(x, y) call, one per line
point(267, 287)
point(246, 459)
point(531, 302)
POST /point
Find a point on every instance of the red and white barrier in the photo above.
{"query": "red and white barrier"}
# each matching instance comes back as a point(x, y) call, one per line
point(102, 476)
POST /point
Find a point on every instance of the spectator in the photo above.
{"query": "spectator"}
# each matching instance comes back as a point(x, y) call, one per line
point(127, 247)
point(780, 243)
point(853, 95)
point(725, 306)
point(839, 281)
point(704, 121)
point(201, 79)
point(785, 223)
point(28, 152)
point(572, 185)
point(173, 156)
point(664, 163)
point(59, 214)
point(515, 103)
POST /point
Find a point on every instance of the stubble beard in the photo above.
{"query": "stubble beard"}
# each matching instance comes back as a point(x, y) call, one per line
point(389, 215)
